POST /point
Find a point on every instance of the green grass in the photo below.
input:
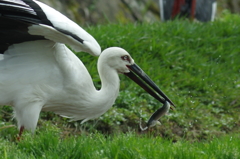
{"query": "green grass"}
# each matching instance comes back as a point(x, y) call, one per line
point(196, 64)
point(49, 144)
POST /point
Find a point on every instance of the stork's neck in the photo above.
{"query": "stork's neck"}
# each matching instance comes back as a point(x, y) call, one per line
point(110, 82)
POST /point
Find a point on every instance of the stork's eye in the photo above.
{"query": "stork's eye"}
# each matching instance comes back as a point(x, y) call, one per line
point(126, 58)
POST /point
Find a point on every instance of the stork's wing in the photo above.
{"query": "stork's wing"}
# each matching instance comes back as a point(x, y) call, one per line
point(28, 20)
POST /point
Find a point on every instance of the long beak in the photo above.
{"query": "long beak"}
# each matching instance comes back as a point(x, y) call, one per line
point(136, 72)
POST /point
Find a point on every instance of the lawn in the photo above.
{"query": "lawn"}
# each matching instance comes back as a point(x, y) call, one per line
point(49, 144)
point(196, 64)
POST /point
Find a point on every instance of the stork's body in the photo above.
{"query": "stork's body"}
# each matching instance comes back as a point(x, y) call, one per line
point(33, 80)
point(38, 72)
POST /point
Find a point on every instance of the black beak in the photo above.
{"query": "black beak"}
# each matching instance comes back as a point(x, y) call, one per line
point(136, 72)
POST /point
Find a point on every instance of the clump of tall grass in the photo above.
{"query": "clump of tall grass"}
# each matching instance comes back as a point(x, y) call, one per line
point(49, 144)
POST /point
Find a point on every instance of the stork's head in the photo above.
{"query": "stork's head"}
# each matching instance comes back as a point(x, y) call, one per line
point(120, 60)
point(117, 58)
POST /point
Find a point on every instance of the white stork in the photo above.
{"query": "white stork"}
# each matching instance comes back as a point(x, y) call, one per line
point(39, 73)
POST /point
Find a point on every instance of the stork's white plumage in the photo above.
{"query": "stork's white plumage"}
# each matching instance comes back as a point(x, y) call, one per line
point(38, 72)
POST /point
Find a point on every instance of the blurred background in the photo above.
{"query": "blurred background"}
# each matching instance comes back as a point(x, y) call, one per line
point(104, 11)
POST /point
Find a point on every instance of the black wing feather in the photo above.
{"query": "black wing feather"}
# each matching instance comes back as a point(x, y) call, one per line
point(18, 10)
point(13, 32)
point(42, 16)
point(15, 18)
